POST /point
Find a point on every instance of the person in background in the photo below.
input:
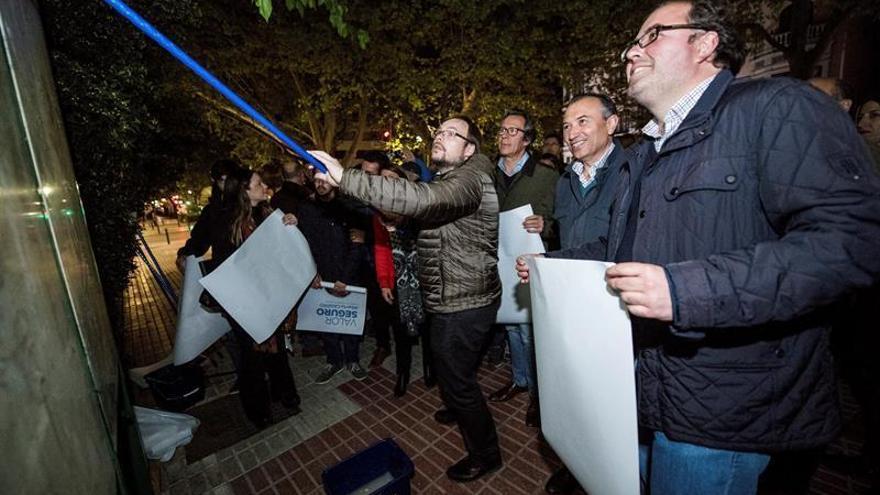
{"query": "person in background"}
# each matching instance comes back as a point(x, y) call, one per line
point(412, 163)
point(552, 145)
point(397, 273)
point(207, 230)
point(868, 122)
point(373, 163)
point(520, 179)
point(326, 224)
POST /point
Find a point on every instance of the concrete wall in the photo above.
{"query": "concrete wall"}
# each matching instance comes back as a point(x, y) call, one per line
point(58, 366)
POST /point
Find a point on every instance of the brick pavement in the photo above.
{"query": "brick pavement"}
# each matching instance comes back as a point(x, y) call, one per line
point(345, 416)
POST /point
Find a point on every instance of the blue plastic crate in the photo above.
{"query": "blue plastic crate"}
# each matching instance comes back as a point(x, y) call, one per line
point(381, 469)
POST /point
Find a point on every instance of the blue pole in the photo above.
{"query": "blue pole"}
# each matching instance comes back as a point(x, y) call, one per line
point(148, 29)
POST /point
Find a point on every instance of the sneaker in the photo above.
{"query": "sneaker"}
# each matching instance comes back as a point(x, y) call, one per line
point(357, 372)
point(327, 372)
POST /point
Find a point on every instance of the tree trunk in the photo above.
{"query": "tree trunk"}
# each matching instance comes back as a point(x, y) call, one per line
point(314, 125)
point(467, 100)
point(328, 143)
point(363, 110)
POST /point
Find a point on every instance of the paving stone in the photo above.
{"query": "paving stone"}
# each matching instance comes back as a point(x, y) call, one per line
point(248, 460)
point(181, 487)
point(198, 484)
point(214, 475)
point(261, 450)
point(223, 489)
point(231, 468)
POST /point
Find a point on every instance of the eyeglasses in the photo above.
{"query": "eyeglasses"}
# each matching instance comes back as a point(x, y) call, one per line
point(448, 133)
point(653, 33)
point(510, 131)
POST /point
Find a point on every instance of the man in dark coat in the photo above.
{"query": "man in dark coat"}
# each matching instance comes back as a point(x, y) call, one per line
point(209, 227)
point(521, 179)
point(586, 188)
point(585, 191)
point(748, 210)
point(326, 223)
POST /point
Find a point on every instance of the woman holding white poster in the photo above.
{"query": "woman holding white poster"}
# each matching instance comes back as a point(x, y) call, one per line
point(244, 208)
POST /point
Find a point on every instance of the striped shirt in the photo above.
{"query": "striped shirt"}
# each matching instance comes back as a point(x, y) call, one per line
point(579, 166)
point(675, 116)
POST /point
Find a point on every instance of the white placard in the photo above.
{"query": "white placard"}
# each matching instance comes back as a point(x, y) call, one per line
point(321, 311)
point(513, 240)
point(197, 329)
point(262, 280)
point(583, 345)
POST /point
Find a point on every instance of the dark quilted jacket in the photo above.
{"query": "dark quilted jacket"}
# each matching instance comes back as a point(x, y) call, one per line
point(458, 241)
point(763, 209)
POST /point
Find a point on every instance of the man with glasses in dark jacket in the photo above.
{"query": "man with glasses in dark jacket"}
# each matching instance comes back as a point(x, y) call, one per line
point(745, 213)
point(520, 179)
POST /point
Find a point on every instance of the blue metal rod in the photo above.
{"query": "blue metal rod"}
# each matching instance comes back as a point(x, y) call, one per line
point(209, 78)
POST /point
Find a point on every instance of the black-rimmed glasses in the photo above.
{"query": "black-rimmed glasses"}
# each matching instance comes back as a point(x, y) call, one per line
point(510, 131)
point(448, 133)
point(653, 33)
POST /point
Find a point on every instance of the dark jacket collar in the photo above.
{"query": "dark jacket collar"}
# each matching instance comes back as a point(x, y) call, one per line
point(529, 167)
point(612, 160)
point(709, 100)
point(618, 155)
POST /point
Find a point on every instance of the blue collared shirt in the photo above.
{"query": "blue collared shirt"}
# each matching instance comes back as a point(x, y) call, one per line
point(519, 165)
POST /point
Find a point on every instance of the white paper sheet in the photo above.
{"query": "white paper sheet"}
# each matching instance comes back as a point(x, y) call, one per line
point(321, 311)
point(513, 240)
point(197, 329)
point(262, 280)
point(586, 379)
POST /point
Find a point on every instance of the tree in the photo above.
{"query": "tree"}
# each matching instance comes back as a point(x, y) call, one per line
point(428, 60)
point(113, 117)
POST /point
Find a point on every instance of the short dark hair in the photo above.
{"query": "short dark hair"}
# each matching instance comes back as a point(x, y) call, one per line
point(272, 174)
point(376, 156)
point(712, 16)
point(529, 126)
point(608, 106)
point(223, 167)
point(473, 132)
point(397, 171)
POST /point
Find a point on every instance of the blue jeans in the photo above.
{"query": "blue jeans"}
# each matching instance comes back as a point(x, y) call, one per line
point(672, 468)
point(522, 355)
